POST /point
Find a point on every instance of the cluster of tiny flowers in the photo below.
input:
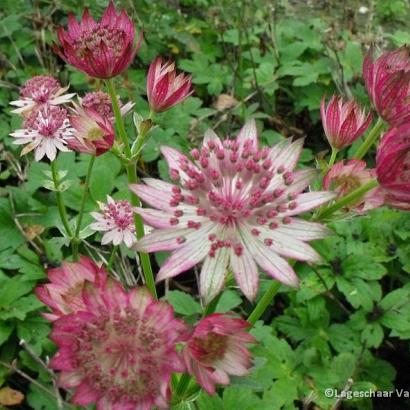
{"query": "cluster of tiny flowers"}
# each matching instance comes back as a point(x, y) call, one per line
point(116, 220)
point(234, 208)
point(46, 131)
point(118, 349)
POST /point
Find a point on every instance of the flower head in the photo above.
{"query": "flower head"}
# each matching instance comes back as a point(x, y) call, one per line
point(120, 350)
point(387, 81)
point(393, 166)
point(94, 133)
point(101, 49)
point(343, 122)
point(40, 90)
point(164, 87)
point(45, 131)
point(100, 102)
point(63, 294)
point(217, 349)
point(116, 220)
point(234, 207)
point(344, 178)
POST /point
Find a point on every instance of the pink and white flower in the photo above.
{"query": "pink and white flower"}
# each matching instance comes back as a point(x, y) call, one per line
point(94, 133)
point(45, 131)
point(343, 122)
point(40, 90)
point(387, 81)
point(100, 102)
point(118, 352)
point(217, 349)
point(63, 294)
point(344, 178)
point(234, 208)
point(393, 166)
point(100, 49)
point(116, 220)
point(164, 87)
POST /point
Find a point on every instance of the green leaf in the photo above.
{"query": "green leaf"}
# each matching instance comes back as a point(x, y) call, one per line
point(228, 301)
point(183, 303)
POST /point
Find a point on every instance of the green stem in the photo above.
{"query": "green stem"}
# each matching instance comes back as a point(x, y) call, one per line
point(264, 302)
point(371, 138)
point(332, 157)
point(132, 179)
point(112, 257)
point(119, 122)
point(139, 228)
point(60, 201)
point(82, 206)
point(351, 198)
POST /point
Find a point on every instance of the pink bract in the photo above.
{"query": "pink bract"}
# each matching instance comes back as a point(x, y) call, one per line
point(94, 133)
point(164, 87)
point(387, 81)
point(63, 294)
point(393, 166)
point(100, 49)
point(233, 208)
point(343, 122)
point(217, 349)
point(344, 178)
point(40, 90)
point(119, 352)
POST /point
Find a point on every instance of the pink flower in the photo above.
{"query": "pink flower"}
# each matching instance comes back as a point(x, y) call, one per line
point(343, 122)
point(39, 90)
point(94, 133)
point(393, 166)
point(164, 88)
point(116, 220)
point(63, 294)
point(233, 209)
point(100, 102)
point(217, 349)
point(100, 49)
point(387, 81)
point(120, 350)
point(45, 131)
point(344, 178)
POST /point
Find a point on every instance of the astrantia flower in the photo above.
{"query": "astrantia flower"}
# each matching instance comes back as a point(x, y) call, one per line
point(45, 131)
point(100, 102)
point(94, 133)
point(63, 294)
point(344, 178)
point(100, 49)
point(119, 352)
point(39, 90)
point(164, 88)
point(343, 122)
point(234, 209)
point(217, 349)
point(393, 166)
point(387, 81)
point(116, 220)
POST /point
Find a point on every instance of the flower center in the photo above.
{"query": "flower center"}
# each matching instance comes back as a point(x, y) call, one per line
point(210, 348)
point(40, 88)
point(47, 121)
point(121, 213)
point(122, 355)
point(99, 102)
point(90, 42)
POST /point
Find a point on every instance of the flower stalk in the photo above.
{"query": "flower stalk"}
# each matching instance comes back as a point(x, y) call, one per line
point(76, 239)
point(60, 201)
point(132, 179)
point(371, 138)
point(351, 198)
point(264, 302)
